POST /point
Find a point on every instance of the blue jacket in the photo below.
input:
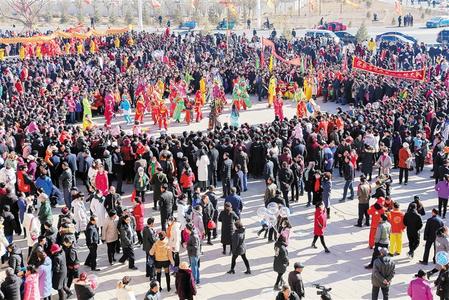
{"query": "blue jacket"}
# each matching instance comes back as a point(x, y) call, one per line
point(236, 202)
point(45, 183)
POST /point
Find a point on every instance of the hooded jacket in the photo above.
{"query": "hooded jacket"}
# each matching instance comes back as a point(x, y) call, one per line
point(185, 284)
point(281, 261)
point(161, 250)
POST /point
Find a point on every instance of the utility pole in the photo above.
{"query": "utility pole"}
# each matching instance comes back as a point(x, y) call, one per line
point(140, 9)
point(259, 14)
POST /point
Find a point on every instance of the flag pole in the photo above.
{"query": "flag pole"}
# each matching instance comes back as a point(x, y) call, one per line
point(140, 9)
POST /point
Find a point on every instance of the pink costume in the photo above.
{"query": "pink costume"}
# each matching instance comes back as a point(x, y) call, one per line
point(108, 109)
point(102, 183)
point(278, 108)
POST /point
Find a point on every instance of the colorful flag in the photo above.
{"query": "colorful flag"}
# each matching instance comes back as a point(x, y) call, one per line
point(398, 7)
point(270, 66)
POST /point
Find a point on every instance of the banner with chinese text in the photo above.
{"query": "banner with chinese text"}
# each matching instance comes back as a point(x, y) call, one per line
point(359, 64)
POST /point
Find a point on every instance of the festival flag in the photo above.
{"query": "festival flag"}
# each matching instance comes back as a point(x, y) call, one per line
point(398, 7)
point(262, 57)
point(155, 4)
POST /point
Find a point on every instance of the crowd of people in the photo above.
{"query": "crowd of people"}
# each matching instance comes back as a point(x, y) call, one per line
point(48, 160)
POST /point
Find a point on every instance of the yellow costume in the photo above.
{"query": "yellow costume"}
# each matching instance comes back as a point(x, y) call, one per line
point(307, 89)
point(203, 89)
point(67, 48)
point(92, 46)
point(271, 90)
point(117, 42)
point(79, 48)
point(22, 53)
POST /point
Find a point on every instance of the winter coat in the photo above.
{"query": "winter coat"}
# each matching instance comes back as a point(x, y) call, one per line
point(238, 245)
point(326, 185)
point(187, 179)
point(102, 183)
point(126, 235)
point(59, 270)
point(10, 288)
point(367, 161)
point(296, 284)
point(320, 222)
point(403, 157)
point(161, 251)
point(227, 226)
point(280, 262)
point(412, 221)
point(80, 215)
point(442, 188)
point(97, 208)
point(31, 287)
point(83, 290)
point(45, 214)
point(139, 214)
point(383, 232)
point(419, 289)
point(92, 236)
point(45, 282)
point(32, 226)
point(432, 225)
point(194, 244)
point(197, 221)
point(203, 167)
point(363, 193)
point(110, 231)
point(236, 202)
point(308, 177)
point(174, 237)
point(185, 284)
point(166, 202)
point(383, 268)
point(15, 260)
point(385, 164)
point(149, 238)
point(140, 183)
point(286, 178)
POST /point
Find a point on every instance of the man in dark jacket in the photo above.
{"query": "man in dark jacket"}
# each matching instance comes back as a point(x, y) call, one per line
point(166, 202)
point(126, 239)
point(430, 233)
point(66, 183)
point(157, 180)
point(287, 294)
point(213, 199)
point(8, 223)
point(285, 180)
point(208, 214)
point(226, 174)
point(295, 280)
point(10, 287)
point(348, 174)
point(194, 251)
point(59, 271)
point(242, 159)
point(92, 241)
point(383, 273)
point(149, 238)
point(213, 164)
point(413, 222)
point(111, 200)
point(268, 170)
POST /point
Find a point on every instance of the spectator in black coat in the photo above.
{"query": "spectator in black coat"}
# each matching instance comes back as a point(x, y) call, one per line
point(295, 280)
point(92, 241)
point(166, 202)
point(149, 238)
point(413, 222)
point(59, 271)
point(287, 294)
point(8, 223)
point(238, 247)
point(286, 178)
point(15, 260)
point(227, 218)
point(430, 233)
point(10, 287)
point(226, 174)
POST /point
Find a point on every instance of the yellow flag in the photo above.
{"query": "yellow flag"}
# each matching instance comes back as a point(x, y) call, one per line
point(270, 66)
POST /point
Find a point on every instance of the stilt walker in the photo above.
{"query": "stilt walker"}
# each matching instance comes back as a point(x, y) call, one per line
point(278, 107)
point(108, 109)
point(199, 102)
point(272, 90)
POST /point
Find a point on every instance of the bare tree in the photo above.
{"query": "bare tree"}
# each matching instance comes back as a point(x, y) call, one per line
point(23, 11)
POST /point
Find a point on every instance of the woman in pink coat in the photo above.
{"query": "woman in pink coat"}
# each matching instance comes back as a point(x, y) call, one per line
point(319, 226)
point(419, 288)
point(139, 214)
point(101, 181)
point(31, 286)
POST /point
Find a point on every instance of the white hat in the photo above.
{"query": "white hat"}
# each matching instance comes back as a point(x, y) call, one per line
point(405, 145)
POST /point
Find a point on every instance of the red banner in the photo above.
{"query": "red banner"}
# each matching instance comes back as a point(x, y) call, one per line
point(359, 64)
point(295, 61)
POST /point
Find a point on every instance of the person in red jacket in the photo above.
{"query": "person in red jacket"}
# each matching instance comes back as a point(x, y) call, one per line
point(376, 211)
point(396, 219)
point(404, 155)
point(186, 181)
point(24, 181)
point(139, 215)
point(319, 226)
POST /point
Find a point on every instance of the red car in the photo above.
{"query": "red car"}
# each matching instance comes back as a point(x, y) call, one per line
point(333, 26)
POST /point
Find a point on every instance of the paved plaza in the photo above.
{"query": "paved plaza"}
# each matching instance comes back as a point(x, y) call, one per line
point(342, 269)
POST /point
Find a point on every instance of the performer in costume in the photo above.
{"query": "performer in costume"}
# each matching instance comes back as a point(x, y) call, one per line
point(172, 96)
point(140, 109)
point(125, 106)
point(199, 101)
point(108, 109)
point(180, 106)
point(155, 110)
point(87, 110)
point(278, 106)
point(271, 90)
point(163, 116)
point(203, 89)
point(235, 116)
point(88, 124)
point(188, 109)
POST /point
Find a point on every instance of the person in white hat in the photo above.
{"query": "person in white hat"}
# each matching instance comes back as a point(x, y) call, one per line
point(405, 157)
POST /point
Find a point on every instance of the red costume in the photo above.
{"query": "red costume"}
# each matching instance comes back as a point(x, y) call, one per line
point(376, 211)
point(198, 105)
point(140, 109)
point(278, 107)
point(163, 116)
point(108, 109)
point(188, 110)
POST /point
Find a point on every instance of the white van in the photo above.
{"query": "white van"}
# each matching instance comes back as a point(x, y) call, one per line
point(323, 35)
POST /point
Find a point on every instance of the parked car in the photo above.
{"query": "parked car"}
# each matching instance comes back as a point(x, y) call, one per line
point(323, 34)
point(436, 22)
point(223, 25)
point(398, 35)
point(333, 26)
point(391, 38)
point(443, 36)
point(189, 25)
point(346, 37)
